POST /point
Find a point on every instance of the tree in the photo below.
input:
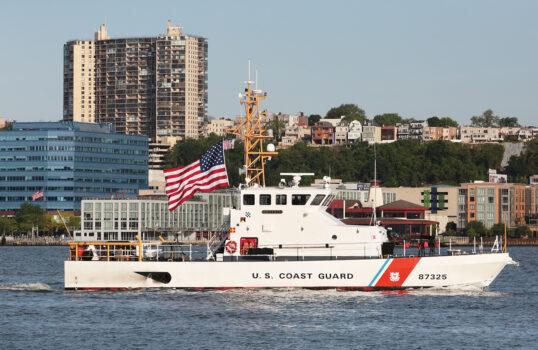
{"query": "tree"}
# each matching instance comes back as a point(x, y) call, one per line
point(444, 122)
point(7, 225)
point(508, 122)
point(28, 216)
point(522, 231)
point(450, 227)
point(487, 119)
point(349, 111)
point(387, 119)
point(497, 230)
point(313, 119)
point(526, 164)
point(475, 229)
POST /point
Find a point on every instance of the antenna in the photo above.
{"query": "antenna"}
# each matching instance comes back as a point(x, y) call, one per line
point(249, 70)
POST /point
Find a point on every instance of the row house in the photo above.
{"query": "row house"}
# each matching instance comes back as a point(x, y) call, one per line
point(218, 127)
point(371, 133)
point(440, 133)
point(389, 133)
point(323, 133)
point(475, 134)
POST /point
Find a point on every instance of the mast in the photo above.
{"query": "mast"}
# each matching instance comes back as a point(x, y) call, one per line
point(253, 133)
point(374, 207)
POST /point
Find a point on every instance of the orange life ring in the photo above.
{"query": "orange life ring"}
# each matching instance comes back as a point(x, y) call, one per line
point(231, 247)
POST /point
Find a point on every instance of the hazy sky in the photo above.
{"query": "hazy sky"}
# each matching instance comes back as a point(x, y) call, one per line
point(416, 58)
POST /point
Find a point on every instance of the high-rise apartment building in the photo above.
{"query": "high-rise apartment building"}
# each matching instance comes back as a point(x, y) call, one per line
point(154, 86)
point(79, 81)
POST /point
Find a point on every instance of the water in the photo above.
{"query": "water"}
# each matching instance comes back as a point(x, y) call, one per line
point(35, 312)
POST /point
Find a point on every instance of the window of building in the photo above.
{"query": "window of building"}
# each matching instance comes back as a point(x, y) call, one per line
point(317, 199)
point(299, 199)
point(248, 199)
point(265, 199)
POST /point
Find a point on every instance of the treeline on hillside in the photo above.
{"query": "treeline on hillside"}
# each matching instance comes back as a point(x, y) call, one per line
point(401, 163)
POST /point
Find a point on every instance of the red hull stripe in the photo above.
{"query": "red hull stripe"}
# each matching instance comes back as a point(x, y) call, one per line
point(397, 272)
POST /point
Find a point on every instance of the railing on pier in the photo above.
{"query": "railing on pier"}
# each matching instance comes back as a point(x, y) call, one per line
point(129, 251)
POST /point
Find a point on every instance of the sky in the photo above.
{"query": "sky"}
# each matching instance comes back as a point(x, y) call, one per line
point(416, 58)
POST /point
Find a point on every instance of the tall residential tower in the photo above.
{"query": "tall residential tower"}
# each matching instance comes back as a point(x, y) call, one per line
point(154, 86)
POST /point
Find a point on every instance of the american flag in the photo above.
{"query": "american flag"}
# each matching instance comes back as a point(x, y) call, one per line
point(204, 175)
point(228, 144)
point(37, 195)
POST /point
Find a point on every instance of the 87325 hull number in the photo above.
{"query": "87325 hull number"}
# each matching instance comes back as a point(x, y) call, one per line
point(432, 276)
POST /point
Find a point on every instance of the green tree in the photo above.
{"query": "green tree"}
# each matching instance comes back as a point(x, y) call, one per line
point(521, 232)
point(387, 119)
point(450, 227)
point(475, 229)
point(497, 230)
point(508, 121)
point(28, 216)
point(444, 122)
point(349, 111)
point(7, 225)
point(313, 119)
point(487, 119)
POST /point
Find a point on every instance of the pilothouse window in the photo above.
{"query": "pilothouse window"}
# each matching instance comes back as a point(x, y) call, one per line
point(299, 199)
point(317, 199)
point(328, 200)
point(281, 199)
point(265, 199)
point(248, 199)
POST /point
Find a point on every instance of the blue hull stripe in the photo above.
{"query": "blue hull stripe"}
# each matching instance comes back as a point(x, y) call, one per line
point(379, 272)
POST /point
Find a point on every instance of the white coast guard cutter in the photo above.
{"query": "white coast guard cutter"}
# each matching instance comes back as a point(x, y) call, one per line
point(277, 238)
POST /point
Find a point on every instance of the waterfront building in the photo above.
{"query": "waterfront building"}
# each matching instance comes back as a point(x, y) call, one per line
point(154, 86)
point(440, 201)
point(149, 218)
point(491, 203)
point(69, 161)
point(416, 130)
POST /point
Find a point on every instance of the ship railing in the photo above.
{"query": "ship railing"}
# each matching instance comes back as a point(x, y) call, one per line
point(129, 251)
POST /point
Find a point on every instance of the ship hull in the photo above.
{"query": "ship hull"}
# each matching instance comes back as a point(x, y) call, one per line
point(477, 271)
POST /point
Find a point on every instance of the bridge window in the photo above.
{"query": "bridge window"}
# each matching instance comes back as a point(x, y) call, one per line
point(281, 199)
point(248, 199)
point(265, 199)
point(299, 199)
point(317, 199)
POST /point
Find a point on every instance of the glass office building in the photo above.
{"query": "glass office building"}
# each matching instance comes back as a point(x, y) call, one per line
point(68, 162)
point(149, 218)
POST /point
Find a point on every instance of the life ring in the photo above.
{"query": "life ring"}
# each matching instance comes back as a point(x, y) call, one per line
point(231, 247)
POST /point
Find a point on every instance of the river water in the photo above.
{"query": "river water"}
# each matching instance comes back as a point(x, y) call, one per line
point(36, 313)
